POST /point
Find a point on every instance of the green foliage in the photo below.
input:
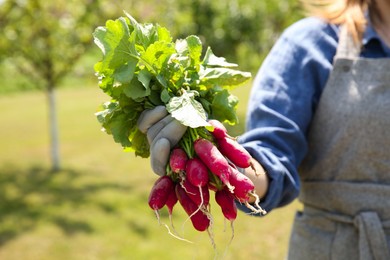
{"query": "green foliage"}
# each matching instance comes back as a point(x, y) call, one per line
point(59, 32)
point(142, 67)
point(241, 30)
point(47, 38)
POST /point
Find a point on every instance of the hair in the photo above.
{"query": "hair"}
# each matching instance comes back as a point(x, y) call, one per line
point(352, 13)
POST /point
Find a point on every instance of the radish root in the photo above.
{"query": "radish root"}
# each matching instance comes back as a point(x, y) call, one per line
point(176, 235)
point(256, 209)
point(231, 238)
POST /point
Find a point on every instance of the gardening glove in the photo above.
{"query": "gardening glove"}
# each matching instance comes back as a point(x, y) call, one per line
point(163, 133)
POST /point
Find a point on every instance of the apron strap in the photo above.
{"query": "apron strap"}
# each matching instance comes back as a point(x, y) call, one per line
point(346, 48)
point(372, 238)
point(341, 203)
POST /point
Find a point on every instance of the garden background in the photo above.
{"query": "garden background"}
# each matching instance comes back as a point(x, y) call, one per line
point(75, 194)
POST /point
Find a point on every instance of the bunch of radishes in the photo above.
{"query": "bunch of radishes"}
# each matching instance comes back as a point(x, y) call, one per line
point(204, 161)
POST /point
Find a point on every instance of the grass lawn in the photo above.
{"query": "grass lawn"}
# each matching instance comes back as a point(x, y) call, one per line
point(96, 207)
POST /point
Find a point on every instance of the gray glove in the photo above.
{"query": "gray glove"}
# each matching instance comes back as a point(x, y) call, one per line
point(163, 133)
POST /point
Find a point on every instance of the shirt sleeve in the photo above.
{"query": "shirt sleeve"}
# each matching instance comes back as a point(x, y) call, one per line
point(282, 102)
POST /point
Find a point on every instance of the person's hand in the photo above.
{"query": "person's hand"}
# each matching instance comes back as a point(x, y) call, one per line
point(163, 133)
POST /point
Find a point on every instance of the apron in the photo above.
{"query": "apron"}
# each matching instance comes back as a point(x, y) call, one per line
point(345, 178)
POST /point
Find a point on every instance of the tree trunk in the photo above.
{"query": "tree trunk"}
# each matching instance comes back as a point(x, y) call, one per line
point(54, 142)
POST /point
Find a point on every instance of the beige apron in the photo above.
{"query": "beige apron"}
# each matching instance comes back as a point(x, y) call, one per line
point(346, 174)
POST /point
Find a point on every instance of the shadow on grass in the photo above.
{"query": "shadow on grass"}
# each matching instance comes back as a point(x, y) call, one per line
point(29, 197)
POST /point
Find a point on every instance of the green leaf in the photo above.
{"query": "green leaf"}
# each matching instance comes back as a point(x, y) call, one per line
point(145, 77)
point(106, 82)
point(105, 112)
point(115, 122)
point(163, 34)
point(224, 107)
point(120, 129)
point(155, 98)
point(191, 46)
point(144, 34)
point(165, 97)
point(206, 105)
point(162, 80)
point(187, 110)
point(113, 40)
point(135, 89)
point(125, 73)
point(224, 77)
point(210, 60)
point(157, 55)
point(139, 143)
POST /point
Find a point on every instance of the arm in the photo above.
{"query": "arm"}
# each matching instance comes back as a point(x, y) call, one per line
point(282, 102)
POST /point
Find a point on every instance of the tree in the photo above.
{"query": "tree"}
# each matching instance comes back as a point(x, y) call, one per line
point(46, 39)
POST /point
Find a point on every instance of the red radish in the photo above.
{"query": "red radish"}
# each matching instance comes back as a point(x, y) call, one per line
point(219, 129)
point(197, 172)
point(171, 202)
point(225, 200)
point(177, 160)
point(160, 192)
point(244, 189)
point(199, 219)
point(236, 153)
point(213, 159)
point(199, 195)
point(243, 186)
point(172, 199)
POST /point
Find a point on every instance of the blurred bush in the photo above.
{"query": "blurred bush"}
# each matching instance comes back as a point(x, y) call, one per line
point(35, 31)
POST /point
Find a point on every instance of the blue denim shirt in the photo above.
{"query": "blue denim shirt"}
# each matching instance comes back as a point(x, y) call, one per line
point(284, 97)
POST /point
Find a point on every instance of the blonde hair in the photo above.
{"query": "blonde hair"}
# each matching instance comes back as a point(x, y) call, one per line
point(352, 13)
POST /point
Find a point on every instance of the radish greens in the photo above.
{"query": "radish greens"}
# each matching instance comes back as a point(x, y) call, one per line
point(142, 67)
